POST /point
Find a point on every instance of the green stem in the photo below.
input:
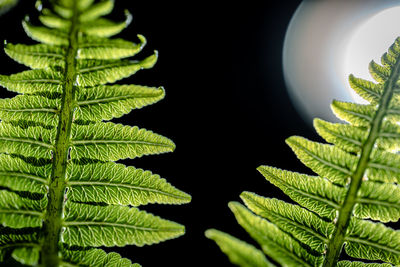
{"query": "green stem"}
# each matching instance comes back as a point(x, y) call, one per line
point(336, 243)
point(52, 224)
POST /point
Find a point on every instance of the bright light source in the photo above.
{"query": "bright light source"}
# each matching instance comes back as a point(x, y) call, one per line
point(370, 41)
point(329, 39)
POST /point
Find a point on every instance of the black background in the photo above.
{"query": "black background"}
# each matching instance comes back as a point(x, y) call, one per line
point(226, 109)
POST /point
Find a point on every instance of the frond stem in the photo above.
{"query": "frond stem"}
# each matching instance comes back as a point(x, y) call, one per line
point(345, 213)
point(52, 224)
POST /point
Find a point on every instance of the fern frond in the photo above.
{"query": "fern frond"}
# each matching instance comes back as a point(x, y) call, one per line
point(94, 257)
point(312, 192)
point(105, 28)
point(97, 10)
point(372, 241)
point(384, 167)
point(60, 193)
point(346, 137)
point(358, 181)
point(53, 21)
point(107, 102)
point(37, 109)
point(45, 35)
point(103, 48)
point(37, 56)
point(280, 246)
point(64, 10)
point(31, 141)
point(356, 114)
point(18, 212)
point(325, 160)
point(113, 183)
point(378, 201)
point(361, 264)
point(239, 252)
point(300, 223)
point(17, 239)
point(18, 175)
point(380, 73)
point(95, 226)
point(370, 91)
point(109, 141)
point(26, 255)
point(33, 81)
point(97, 72)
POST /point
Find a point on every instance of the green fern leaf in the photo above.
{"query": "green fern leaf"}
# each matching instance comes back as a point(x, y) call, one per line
point(18, 175)
point(356, 114)
point(346, 137)
point(33, 81)
point(312, 192)
point(109, 141)
point(384, 167)
point(95, 258)
point(370, 91)
point(53, 21)
point(82, 5)
point(373, 241)
point(18, 212)
point(378, 201)
point(37, 109)
point(31, 142)
point(389, 137)
point(45, 35)
point(97, 10)
point(64, 10)
point(115, 184)
point(280, 246)
point(37, 56)
point(102, 48)
point(26, 255)
point(14, 239)
point(104, 27)
point(88, 225)
point(97, 72)
point(239, 252)
point(360, 264)
point(380, 73)
point(303, 225)
point(326, 160)
point(107, 102)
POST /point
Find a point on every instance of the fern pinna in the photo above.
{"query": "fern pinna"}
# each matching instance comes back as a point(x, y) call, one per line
point(356, 186)
point(61, 193)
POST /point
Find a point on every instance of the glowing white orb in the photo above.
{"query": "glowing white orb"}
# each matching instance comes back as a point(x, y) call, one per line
point(328, 40)
point(369, 41)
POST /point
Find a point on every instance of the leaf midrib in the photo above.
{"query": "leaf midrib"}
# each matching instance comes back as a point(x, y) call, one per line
point(29, 141)
point(117, 64)
point(104, 141)
point(24, 175)
point(124, 225)
point(115, 99)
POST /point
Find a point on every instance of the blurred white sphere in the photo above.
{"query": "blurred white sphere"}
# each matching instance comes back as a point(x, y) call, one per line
point(326, 41)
